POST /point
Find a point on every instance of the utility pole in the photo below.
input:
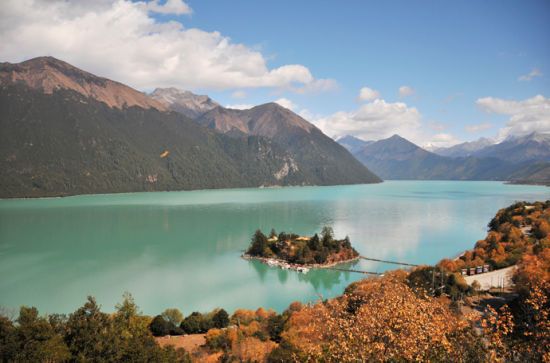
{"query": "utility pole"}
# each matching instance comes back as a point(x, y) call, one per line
point(433, 280)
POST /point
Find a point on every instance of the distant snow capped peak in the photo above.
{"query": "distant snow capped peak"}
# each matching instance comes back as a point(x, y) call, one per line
point(465, 149)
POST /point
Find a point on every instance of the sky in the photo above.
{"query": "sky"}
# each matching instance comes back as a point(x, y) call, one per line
point(435, 72)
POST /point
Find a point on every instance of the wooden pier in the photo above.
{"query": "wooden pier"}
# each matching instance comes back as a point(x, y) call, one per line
point(350, 270)
point(384, 261)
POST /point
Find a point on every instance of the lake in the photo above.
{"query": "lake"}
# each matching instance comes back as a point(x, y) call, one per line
point(181, 249)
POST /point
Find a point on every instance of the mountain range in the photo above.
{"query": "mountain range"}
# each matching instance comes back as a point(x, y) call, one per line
point(318, 156)
point(522, 160)
point(65, 131)
point(464, 149)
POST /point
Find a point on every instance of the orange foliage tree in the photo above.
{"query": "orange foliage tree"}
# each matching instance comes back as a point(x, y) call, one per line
point(382, 320)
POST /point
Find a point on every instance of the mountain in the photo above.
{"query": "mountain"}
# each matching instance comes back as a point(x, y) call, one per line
point(64, 131)
point(398, 158)
point(464, 149)
point(322, 159)
point(535, 146)
point(352, 143)
point(50, 74)
point(537, 172)
point(190, 104)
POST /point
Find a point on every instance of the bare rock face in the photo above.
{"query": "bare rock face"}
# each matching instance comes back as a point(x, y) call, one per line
point(186, 102)
point(49, 74)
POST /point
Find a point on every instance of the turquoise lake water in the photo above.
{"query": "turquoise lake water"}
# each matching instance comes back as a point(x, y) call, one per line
point(181, 249)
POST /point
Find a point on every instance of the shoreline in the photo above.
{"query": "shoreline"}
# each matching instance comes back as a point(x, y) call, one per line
point(316, 265)
point(183, 190)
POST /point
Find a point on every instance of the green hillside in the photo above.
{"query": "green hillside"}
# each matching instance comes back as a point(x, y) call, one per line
point(320, 158)
point(64, 144)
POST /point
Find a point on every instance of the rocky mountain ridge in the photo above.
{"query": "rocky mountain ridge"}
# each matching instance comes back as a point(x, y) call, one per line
point(186, 102)
point(50, 74)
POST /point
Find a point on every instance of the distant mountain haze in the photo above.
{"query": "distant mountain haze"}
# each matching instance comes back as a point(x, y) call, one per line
point(465, 148)
point(64, 131)
point(352, 143)
point(398, 158)
point(535, 146)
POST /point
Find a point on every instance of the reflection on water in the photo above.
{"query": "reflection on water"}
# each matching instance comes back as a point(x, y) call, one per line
point(320, 279)
point(181, 249)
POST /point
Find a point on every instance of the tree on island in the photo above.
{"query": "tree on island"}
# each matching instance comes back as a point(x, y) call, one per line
point(293, 248)
point(259, 244)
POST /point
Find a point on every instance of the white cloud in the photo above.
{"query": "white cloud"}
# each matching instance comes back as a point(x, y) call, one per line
point(530, 115)
point(373, 121)
point(177, 7)
point(119, 39)
point(319, 85)
point(534, 73)
point(441, 140)
point(405, 91)
point(379, 120)
point(367, 94)
point(285, 102)
point(239, 107)
point(238, 94)
point(478, 128)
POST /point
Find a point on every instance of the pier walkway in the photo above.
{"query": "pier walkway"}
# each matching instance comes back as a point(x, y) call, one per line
point(384, 261)
point(370, 272)
point(350, 270)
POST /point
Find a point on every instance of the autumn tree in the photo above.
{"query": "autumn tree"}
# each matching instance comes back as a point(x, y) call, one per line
point(381, 320)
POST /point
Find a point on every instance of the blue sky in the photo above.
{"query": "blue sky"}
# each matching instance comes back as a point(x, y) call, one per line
point(474, 68)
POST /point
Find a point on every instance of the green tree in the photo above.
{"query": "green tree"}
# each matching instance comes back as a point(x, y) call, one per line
point(8, 342)
point(273, 233)
point(192, 323)
point(327, 236)
point(221, 319)
point(314, 243)
point(259, 244)
point(173, 316)
point(159, 326)
point(346, 243)
point(90, 334)
point(37, 340)
point(322, 256)
point(275, 326)
point(128, 308)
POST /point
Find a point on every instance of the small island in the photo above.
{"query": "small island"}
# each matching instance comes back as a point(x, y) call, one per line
point(291, 251)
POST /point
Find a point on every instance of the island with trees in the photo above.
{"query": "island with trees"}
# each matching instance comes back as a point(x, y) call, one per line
point(289, 250)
